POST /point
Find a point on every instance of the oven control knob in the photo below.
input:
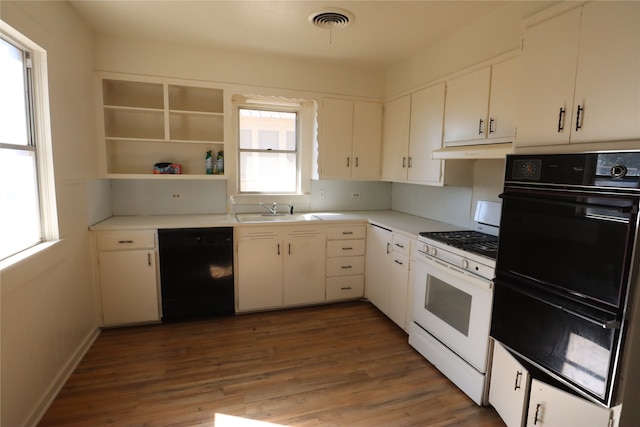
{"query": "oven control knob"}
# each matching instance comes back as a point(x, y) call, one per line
point(433, 251)
point(465, 264)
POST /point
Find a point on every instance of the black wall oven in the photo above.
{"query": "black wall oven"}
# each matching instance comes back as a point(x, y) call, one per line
point(565, 268)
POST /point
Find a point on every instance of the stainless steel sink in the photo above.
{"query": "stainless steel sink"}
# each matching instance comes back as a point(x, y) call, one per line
point(268, 217)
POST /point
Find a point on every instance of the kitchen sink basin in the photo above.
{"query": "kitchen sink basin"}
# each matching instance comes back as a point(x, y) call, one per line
point(267, 217)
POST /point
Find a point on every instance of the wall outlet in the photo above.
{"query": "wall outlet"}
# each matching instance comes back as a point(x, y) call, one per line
point(176, 196)
point(321, 194)
point(355, 195)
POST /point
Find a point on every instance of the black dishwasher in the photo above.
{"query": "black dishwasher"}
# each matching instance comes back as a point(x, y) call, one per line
point(196, 272)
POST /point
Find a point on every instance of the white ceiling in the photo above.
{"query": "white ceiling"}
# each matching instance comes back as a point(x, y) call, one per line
point(382, 33)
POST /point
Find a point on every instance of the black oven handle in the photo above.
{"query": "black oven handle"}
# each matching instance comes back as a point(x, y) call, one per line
point(622, 209)
point(611, 323)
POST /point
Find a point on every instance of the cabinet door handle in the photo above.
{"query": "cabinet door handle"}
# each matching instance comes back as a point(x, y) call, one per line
point(480, 127)
point(347, 161)
point(491, 122)
point(356, 162)
point(561, 119)
point(579, 113)
point(278, 248)
point(410, 164)
point(388, 247)
point(289, 248)
point(397, 262)
point(404, 162)
point(149, 259)
point(518, 380)
point(535, 417)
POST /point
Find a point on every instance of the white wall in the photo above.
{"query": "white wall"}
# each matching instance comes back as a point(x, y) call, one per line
point(206, 64)
point(48, 309)
point(496, 34)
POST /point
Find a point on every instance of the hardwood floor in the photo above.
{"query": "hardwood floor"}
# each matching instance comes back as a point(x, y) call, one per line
point(343, 365)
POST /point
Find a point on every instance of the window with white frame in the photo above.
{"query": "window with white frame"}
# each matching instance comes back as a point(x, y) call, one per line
point(268, 150)
point(24, 200)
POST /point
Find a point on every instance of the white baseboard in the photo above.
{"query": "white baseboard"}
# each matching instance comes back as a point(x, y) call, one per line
point(52, 391)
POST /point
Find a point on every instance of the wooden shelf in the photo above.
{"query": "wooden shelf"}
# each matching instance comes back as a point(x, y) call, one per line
point(148, 122)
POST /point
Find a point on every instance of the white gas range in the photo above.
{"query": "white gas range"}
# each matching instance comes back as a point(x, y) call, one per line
point(453, 295)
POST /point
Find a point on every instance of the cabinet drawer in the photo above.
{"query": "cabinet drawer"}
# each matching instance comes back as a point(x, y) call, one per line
point(345, 247)
point(347, 232)
point(345, 266)
point(401, 244)
point(123, 240)
point(346, 287)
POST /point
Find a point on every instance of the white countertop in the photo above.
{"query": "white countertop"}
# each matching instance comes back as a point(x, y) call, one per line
point(409, 225)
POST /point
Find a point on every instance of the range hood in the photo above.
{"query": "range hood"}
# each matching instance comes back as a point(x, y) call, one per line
point(482, 151)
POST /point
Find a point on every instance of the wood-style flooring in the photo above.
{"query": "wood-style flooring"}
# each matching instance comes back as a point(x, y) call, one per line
point(333, 365)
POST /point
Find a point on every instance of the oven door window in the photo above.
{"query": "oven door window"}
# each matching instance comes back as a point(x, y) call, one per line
point(449, 304)
point(454, 308)
point(576, 244)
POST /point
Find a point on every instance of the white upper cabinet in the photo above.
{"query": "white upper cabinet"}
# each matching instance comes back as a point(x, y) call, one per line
point(506, 82)
point(412, 131)
point(425, 135)
point(581, 76)
point(467, 104)
point(608, 77)
point(395, 138)
point(351, 139)
point(481, 105)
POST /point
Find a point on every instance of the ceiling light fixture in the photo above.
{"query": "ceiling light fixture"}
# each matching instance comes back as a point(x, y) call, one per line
point(331, 18)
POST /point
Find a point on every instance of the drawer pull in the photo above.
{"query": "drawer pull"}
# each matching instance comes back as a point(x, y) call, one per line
point(347, 232)
point(125, 241)
point(399, 245)
point(347, 266)
point(518, 380)
point(397, 262)
point(347, 249)
point(346, 288)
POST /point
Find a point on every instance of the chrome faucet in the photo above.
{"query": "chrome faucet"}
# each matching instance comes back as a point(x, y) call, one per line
point(271, 209)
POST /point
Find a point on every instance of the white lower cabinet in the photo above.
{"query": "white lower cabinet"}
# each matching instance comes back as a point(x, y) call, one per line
point(260, 273)
point(509, 390)
point(387, 273)
point(345, 262)
point(280, 266)
point(127, 270)
point(512, 391)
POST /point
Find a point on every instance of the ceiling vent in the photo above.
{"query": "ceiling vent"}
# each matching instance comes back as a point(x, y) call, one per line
point(331, 18)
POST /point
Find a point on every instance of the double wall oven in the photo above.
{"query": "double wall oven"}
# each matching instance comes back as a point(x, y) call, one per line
point(452, 300)
point(565, 270)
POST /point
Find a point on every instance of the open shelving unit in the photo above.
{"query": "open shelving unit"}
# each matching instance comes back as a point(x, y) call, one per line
point(148, 122)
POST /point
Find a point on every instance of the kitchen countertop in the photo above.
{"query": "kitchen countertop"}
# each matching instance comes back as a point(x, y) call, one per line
point(409, 225)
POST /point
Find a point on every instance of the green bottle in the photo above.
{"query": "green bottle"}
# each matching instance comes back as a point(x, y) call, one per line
point(208, 161)
point(220, 162)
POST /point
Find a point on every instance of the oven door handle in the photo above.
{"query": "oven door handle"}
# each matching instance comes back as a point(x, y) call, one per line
point(622, 209)
point(603, 323)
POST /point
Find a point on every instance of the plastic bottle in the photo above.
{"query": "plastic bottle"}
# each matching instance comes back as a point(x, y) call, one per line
point(208, 161)
point(220, 162)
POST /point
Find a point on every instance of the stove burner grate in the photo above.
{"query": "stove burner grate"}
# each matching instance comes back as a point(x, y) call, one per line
point(467, 240)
